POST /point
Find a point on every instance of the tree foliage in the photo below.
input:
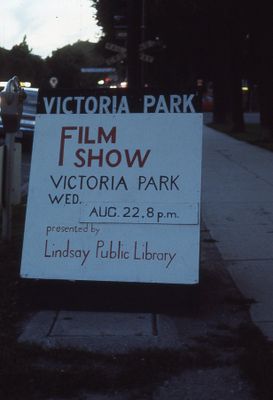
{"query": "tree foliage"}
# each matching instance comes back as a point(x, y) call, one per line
point(220, 41)
point(66, 64)
point(21, 62)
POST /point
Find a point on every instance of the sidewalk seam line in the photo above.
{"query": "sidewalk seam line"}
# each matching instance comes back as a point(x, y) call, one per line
point(52, 324)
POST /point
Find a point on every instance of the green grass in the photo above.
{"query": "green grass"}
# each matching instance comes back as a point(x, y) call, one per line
point(256, 360)
point(30, 372)
point(67, 372)
point(253, 134)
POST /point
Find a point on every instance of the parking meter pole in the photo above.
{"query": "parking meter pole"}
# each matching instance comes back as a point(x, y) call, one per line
point(8, 186)
point(12, 97)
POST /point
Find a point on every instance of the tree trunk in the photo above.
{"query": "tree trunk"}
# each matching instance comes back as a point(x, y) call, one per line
point(134, 36)
point(219, 101)
point(266, 84)
point(262, 46)
point(237, 115)
point(221, 68)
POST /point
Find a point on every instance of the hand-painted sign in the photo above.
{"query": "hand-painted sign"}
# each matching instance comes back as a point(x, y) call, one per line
point(114, 195)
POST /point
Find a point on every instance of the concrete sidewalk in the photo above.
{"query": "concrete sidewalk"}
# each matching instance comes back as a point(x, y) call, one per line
point(237, 207)
point(103, 332)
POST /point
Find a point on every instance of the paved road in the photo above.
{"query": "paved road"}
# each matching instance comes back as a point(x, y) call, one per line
point(237, 207)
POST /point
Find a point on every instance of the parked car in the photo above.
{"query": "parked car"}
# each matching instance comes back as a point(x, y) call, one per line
point(29, 111)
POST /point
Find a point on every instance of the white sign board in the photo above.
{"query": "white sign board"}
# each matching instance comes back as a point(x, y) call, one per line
point(114, 197)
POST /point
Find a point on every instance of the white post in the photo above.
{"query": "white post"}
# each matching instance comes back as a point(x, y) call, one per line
point(12, 97)
point(8, 186)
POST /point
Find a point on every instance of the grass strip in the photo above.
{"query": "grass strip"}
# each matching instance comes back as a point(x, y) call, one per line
point(31, 372)
point(254, 134)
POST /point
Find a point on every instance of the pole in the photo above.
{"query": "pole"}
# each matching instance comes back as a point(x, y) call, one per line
point(143, 27)
point(134, 22)
point(8, 186)
point(12, 97)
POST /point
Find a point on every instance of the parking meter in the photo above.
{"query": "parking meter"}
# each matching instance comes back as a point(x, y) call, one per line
point(11, 105)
